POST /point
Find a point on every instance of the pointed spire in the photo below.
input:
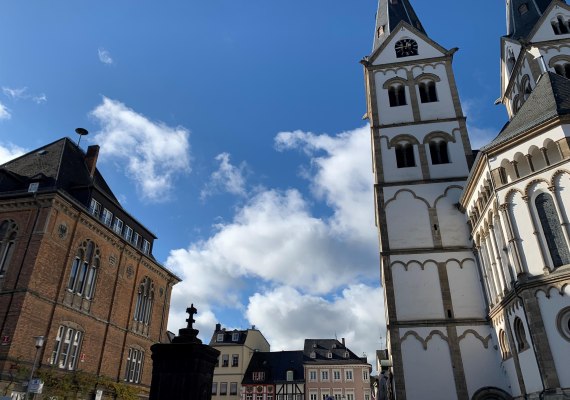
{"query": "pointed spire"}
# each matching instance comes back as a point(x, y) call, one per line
point(390, 14)
point(522, 16)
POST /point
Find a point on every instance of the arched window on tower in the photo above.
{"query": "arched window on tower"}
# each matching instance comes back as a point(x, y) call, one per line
point(560, 25)
point(397, 95)
point(438, 152)
point(428, 92)
point(553, 235)
point(511, 61)
point(405, 155)
point(504, 344)
point(520, 335)
point(8, 232)
point(527, 89)
point(562, 69)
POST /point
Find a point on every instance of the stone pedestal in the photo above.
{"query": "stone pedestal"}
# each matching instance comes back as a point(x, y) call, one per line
point(183, 369)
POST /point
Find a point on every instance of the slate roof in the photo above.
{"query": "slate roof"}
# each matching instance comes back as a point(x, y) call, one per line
point(549, 99)
point(228, 337)
point(390, 14)
point(275, 365)
point(520, 25)
point(58, 165)
point(321, 349)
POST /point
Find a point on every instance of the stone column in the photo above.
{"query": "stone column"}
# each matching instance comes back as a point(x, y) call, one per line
point(183, 369)
point(512, 239)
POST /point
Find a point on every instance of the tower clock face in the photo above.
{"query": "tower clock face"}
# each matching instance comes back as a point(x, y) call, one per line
point(406, 48)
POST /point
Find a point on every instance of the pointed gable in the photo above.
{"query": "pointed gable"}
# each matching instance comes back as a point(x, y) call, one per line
point(389, 15)
point(522, 16)
point(553, 24)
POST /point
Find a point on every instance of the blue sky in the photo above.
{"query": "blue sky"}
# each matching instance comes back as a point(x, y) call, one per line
point(233, 130)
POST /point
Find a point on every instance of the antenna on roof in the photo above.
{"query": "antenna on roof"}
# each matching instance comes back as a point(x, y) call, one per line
point(81, 132)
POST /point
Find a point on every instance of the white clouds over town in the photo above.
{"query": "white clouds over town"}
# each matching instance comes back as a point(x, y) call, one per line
point(23, 94)
point(4, 112)
point(227, 178)
point(155, 153)
point(281, 266)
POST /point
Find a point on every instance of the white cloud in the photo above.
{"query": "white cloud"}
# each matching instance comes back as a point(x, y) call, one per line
point(105, 56)
point(10, 151)
point(21, 94)
point(227, 178)
point(286, 317)
point(479, 136)
point(14, 94)
point(276, 253)
point(4, 112)
point(155, 153)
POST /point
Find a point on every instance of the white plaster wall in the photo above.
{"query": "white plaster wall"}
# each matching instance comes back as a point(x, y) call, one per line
point(466, 290)
point(522, 224)
point(527, 360)
point(508, 364)
point(549, 308)
point(420, 131)
point(408, 222)
point(388, 55)
point(428, 373)
point(452, 223)
point(417, 291)
point(387, 114)
point(428, 192)
point(480, 361)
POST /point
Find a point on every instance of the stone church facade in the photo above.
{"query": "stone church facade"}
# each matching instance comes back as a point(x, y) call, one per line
point(474, 246)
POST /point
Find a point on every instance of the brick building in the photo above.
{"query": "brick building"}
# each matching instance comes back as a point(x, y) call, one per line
point(76, 268)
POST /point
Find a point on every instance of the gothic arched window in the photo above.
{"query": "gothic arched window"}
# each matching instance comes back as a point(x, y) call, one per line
point(397, 95)
point(438, 151)
point(405, 155)
point(520, 335)
point(145, 298)
point(8, 232)
point(67, 346)
point(552, 230)
point(511, 61)
point(84, 270)
point(428, 92)
point(504, 344)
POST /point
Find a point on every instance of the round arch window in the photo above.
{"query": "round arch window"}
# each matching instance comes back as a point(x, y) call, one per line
point(564, 323)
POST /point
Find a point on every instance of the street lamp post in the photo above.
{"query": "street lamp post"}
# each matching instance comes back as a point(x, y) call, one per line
point(39, 345)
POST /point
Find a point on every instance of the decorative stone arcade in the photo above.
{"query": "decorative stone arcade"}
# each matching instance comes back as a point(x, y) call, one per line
point(183, 369)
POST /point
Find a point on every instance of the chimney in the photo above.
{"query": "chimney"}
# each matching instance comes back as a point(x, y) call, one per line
point(218, 327)
point(343, 344)
point(91, 159)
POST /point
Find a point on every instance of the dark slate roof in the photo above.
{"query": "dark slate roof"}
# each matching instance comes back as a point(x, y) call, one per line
point(390, 14)
point(321, 349)
point(520, 25)
point(549, 99)
point(58, 165)
point(275, 365)
point(228, 337)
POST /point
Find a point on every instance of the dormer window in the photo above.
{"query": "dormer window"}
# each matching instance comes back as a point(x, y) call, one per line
point(511, 61)
point(313, 354)
point(220, 337)
point(146, 246)
point(523, 9)
point(258, 376)
point(329, 355)
point(235, 336)
point(289, 375)
point(346, 354)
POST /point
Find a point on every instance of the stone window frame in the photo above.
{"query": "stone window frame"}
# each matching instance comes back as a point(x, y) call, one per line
point(214, 388)
point(560, 26)
point(396, 88)
point(561, 65)
point(504, 345)
point(8, 236)
point(404, 148)
point(84, 270)
point(563, 323)
point(68, 341)
point(520, 335)
point(337, 377)
point(426, 81)
point(225, 360)
point(144, 306)
point(552, 236)
point(233, 388)
point(135, 364)
point(436, 137)
point(235, 360)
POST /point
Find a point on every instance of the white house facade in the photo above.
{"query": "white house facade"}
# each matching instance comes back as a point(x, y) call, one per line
point(475, 256)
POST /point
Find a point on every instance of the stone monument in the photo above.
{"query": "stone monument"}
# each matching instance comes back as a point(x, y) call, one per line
point(183, 369)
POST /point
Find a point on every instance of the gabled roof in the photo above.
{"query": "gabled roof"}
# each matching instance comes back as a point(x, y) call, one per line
point(549, 99)
point(275, 366)
point(329, 351)
point(390, 13)
point(520, 24)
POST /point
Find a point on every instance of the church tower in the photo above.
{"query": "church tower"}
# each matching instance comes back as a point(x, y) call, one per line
point(441, 345)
